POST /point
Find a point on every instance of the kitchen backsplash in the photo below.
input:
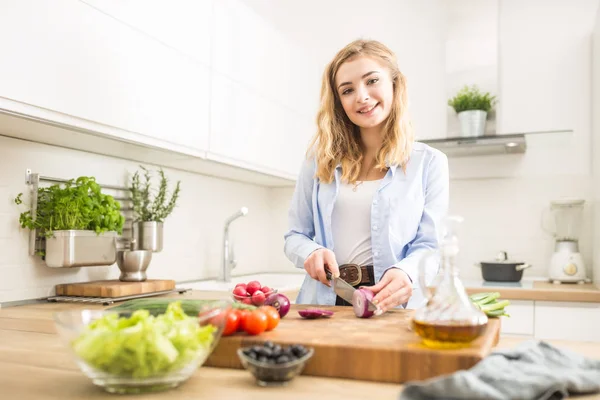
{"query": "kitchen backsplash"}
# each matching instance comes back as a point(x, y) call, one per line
point(193, 233)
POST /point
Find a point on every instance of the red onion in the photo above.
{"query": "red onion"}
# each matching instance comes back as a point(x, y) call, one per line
point(280, 302)
point(360, 302)
point(313, 313)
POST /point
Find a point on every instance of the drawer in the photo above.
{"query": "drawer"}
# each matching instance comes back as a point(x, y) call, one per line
point(567, 321)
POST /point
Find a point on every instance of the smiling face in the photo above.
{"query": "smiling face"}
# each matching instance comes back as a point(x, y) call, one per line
point(366, 91)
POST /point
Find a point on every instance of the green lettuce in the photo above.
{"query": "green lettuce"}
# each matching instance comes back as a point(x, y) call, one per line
point(143, 345)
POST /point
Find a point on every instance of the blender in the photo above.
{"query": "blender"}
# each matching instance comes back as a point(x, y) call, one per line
point(566, 263)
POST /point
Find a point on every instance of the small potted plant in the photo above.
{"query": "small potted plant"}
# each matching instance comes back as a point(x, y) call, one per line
point(75, 224)
point(472, 107)
point(151, 208)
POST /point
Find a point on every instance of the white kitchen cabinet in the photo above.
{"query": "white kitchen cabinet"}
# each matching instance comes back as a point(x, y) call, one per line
point(182, 24)
point(521, 320)
point(253, 131)
point(567, 321)
point(262, 113)
point(68, 57)
point(249, 51)
point(536, 56)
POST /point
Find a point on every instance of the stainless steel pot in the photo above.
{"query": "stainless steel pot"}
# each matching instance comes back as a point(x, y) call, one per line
point(149, 235)
point(502, 270)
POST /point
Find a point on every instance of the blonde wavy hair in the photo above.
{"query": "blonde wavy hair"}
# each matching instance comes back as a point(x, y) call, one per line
point(337, 140)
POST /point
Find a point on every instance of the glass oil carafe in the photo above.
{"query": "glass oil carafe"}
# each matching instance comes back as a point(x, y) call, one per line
point(449, 319)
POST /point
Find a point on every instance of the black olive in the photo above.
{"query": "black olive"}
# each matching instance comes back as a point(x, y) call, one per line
point(268, 344)
point(256, 349)
point(263, 359)
point(288, 352)
point(276, 353)
point(283, 359)
point(265, 351)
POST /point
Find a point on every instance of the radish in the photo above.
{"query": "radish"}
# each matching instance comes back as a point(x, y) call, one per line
point(252, 287)
point(360, 302)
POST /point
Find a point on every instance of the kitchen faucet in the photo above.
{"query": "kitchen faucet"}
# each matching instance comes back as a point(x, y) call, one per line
point(229, 261)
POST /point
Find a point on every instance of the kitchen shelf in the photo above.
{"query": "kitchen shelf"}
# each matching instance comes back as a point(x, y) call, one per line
point(514, 143)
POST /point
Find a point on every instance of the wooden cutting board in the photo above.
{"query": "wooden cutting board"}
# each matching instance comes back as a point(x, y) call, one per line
point(113, 288)
point(380, 349)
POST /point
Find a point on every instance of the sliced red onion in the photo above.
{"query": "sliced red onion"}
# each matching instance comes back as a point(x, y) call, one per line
point(360, 302)
point(313, 313)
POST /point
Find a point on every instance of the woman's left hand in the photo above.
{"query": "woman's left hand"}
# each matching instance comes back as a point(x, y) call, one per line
point(394, 289)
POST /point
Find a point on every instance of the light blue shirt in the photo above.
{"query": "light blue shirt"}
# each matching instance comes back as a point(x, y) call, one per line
point(406, 216)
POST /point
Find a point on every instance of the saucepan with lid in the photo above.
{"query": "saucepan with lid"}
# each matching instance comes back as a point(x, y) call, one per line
point(502, 269)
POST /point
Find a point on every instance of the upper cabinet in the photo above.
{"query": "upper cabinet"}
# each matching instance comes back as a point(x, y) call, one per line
point(261, 107)
point(197, 78)
point(77, 61)
point(184, 25)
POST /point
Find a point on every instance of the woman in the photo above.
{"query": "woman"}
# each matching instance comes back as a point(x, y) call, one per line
point(369, 200)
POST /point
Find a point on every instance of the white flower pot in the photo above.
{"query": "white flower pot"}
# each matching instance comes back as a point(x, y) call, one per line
point(472, 123)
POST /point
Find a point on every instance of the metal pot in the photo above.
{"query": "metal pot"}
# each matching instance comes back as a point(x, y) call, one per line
point(149, 235)
point(502, 270)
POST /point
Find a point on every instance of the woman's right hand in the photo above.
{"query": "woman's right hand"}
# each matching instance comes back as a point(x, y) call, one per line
point(316, 262)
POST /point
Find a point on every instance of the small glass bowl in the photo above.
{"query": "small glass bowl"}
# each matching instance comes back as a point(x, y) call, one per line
point(267, 374)
point(70, 325)
point(240, 299)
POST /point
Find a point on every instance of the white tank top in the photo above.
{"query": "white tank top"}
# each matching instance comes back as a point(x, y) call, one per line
point(351, 223)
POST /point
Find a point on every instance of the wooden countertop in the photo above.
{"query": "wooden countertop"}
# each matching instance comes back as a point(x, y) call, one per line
point(34, 364)
point(538, 291)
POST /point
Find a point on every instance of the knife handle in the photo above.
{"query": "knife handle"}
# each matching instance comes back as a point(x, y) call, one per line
point(327, 273)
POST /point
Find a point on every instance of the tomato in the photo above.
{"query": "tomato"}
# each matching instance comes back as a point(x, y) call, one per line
point(256, 323)
point(272, 317)
point(232, 321)
point(243, 315)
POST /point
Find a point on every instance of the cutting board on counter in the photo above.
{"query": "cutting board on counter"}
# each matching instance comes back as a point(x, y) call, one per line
point(113, 288)
point(380, 349)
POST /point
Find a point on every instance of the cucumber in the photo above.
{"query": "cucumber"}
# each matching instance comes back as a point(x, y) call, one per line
point(490, 304)
point(159, 306)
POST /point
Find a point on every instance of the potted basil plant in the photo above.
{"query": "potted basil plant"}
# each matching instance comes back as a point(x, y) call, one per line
point(472, 107)
point(151, 207)
point(76, 224)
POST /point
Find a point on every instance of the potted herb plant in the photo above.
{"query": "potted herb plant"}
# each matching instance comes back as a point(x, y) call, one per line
point(151, 207)
point(75, 223)
point(472, 107)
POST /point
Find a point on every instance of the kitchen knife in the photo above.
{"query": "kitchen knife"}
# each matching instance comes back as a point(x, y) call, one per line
point(345, 290)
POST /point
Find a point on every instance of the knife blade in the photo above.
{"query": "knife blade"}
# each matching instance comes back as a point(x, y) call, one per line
point(345, 290)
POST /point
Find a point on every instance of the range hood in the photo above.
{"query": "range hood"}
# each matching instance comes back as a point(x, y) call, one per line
point(515, 143)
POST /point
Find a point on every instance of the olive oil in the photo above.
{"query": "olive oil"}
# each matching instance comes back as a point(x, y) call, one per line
point(447, 334)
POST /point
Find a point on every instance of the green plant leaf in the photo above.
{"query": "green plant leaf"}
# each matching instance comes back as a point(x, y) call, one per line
point(149, 208)
point(471, 98)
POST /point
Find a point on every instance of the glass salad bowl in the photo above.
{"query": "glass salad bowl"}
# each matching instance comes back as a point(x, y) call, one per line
point(136, 352)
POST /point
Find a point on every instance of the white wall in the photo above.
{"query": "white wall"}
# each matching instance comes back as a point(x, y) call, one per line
point(414, 30)
point(596, 144)
point(193, 233)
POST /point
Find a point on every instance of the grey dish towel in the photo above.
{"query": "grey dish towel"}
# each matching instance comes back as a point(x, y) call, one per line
point(533, 370)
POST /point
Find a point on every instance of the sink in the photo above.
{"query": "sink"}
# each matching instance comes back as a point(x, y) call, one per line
point(281, 282)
